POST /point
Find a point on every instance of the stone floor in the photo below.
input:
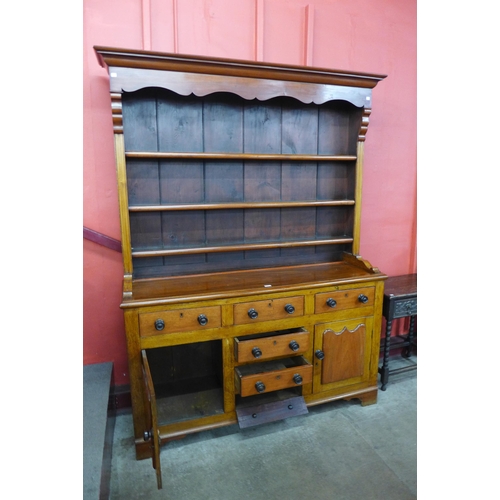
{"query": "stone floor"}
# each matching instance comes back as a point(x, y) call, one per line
point(339, 450)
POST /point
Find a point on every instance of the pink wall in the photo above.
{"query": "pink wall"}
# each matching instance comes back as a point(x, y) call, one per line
point(377, 36)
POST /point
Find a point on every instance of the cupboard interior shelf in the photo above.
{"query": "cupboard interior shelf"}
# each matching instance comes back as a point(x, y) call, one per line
point(240, 247)
point(243, 205)
point(236, 156)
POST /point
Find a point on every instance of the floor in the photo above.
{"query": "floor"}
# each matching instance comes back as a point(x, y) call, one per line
point(339, 450)
point(97, 429)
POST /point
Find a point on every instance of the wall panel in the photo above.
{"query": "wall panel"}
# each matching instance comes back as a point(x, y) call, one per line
point(216, 27)
point(164, 26)
point(284, 31)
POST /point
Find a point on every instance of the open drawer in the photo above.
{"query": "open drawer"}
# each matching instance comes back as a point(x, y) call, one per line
point(271, 345)
point(259, 378)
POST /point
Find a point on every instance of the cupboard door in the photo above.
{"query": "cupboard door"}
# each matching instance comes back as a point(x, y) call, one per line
point(152, 433)
point(342, 353)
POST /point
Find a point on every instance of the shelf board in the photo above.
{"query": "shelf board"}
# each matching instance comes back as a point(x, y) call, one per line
point(235, 156)
point(241, 205)
point(238, 248)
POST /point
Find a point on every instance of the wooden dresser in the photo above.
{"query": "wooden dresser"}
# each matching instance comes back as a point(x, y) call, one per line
point(244, 296)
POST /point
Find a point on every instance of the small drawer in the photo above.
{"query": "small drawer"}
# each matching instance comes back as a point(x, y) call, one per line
point(404, 308)
point(259, 378)
point(344, 299)
point(179, 320)
point(271, 412)
point(271, 345)
point(268, 310)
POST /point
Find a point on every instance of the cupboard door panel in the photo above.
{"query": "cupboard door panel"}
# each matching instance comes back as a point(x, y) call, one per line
point(152, 432)
point(345, 350)
point(346, 346)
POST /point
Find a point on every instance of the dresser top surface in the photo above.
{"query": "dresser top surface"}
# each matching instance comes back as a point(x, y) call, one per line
point(252, 282)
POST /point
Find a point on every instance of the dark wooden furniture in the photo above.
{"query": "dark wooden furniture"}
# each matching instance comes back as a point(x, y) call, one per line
point(400, 301)
point(244, 296)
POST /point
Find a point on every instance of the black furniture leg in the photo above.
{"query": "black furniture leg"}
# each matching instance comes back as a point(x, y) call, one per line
point(384, 373)
point(407, 352)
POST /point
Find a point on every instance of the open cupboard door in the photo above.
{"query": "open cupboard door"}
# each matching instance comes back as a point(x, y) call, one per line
point(153, 433)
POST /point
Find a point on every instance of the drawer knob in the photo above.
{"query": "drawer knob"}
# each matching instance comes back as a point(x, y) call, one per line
point(294, 345)
point(320, 354)
point(297, 379)
point(257, 353)
point(252, 313)
point(202, 320)
point(363, 298)
point(147, 435)
point(159, 324)
point(260, 386)
point(289, 309)
point(331, 303)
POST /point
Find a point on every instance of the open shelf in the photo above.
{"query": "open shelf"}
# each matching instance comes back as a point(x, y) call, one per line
point(239, 248)
point(243, 205)
point(157, 155)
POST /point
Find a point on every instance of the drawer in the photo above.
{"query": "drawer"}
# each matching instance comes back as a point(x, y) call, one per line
point(268, 310)
point(344, 299)
point(271, 345)
point(259, 378)
point(271, 412)
point(179, 320)
point(403, 308)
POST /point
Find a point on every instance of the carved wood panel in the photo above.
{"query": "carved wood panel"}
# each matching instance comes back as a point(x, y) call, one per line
point(344, 350)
